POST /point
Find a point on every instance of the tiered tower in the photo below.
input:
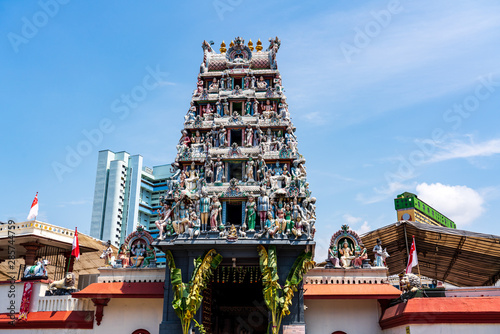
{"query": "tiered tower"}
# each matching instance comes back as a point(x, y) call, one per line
point(239, 179)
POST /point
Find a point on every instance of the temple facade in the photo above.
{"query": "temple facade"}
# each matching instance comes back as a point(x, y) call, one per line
point(239, 182)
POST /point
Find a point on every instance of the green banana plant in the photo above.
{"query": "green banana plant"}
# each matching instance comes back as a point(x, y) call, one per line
point(187, 296)
point(279, 299)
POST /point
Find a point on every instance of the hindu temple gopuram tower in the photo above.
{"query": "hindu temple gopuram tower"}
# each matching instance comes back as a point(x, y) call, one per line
point(239, 182)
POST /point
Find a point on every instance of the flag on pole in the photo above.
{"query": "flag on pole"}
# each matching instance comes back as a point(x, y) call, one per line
point(412, 258)
point(75, 251)
point(34, 208)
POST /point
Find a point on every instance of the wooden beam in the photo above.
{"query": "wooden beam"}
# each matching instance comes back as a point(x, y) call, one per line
point(455, 256)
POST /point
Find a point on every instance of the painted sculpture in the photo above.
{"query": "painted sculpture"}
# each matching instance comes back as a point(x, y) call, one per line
point(38, 271)
point(237, 155)
point(137, 251)
point(345, 250)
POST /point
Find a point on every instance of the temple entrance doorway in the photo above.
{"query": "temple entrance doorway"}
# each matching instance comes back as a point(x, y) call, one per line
point(233, 302)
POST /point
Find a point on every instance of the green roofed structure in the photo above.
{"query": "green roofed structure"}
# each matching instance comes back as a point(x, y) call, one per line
point(410, 207)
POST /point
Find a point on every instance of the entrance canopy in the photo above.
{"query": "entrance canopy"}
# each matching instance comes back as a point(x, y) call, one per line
point(458, 257)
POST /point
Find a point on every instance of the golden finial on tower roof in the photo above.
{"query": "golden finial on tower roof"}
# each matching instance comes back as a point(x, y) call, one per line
point(259, 46)
point(250, 45)
point(231, 45)
point(222, 47)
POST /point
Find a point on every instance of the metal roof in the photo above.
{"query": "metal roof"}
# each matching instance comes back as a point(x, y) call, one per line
point(458, 257)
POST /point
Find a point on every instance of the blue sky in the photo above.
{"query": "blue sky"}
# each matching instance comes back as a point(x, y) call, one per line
point(387, 96)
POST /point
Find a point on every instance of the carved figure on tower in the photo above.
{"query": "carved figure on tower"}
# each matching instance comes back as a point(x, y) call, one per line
point(251, 213)
point(262, 207)
point(216, 208)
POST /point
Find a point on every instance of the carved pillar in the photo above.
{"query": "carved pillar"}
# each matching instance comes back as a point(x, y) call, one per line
point(31, 248)
point(99, 303)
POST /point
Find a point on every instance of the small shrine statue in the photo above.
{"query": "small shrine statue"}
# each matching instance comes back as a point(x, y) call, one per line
point(204, 210)
point(107, 254)
point(270, 227)
point(347, 255)
point(249, 137)
point(360, 256)
point(63, 286)
point(380, 254)
point(219, 171)
point(250, 213)
point(214, 85)
point(232, 234)
point(222, 138)
point(255, 110)
point(185, 140)
point(214, 213)
point(297, 227)
point(248, 108)
point(262, 207)
point(218, 108)
point(333, 257)
point(194, 225)
point(261, 84)
point(123, 255)
point(138, 254)
point(249, 170)
point(281, 221)
point(164, 219)
point(226, 108)
point(208, 112)
point(199, 86)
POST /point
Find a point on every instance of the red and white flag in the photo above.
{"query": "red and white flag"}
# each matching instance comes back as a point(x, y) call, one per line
point(412, 258)
point(75, 251)
point(34, 208)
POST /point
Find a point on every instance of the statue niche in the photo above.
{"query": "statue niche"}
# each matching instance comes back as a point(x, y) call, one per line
point(345, 248)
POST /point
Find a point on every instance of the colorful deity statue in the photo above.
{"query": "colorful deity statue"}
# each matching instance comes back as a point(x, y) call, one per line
point(380, 254)
point(214, 213)
point(194, 225)
point(219, 171)
point(204, 210)
point(164, 219)
point(248, 108)
point(262, 207)
point(249, 136)
point(255, 108)
point(249, 170)
point(261, 84)
point(361, 255)
point(136, 251)
point(250, 212)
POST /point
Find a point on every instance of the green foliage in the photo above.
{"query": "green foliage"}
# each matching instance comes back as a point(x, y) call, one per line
point(279, 299)
point(188, 296)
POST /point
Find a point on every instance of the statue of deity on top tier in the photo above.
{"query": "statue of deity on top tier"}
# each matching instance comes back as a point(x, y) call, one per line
point(261, 84)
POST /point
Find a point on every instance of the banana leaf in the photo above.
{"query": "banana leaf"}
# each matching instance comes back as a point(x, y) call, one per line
point(188, 296)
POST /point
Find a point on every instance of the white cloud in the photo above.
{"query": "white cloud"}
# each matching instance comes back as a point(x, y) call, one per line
point(384, 192)
point(351, 219)
point(363, 228)
point(462, 150)
point(461, 204)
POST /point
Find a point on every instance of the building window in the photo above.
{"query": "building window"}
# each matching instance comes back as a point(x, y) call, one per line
point(140, 331)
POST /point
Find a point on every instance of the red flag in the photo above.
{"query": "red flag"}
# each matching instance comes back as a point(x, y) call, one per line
point(412, 258)
point(25, 301)
point(75, 251)
point(34, 208)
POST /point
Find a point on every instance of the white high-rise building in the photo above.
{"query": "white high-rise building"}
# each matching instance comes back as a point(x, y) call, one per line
point(126, 195)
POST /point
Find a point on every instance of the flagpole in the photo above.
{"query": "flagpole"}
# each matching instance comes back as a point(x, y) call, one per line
point(69, 261)
point(418, 264)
